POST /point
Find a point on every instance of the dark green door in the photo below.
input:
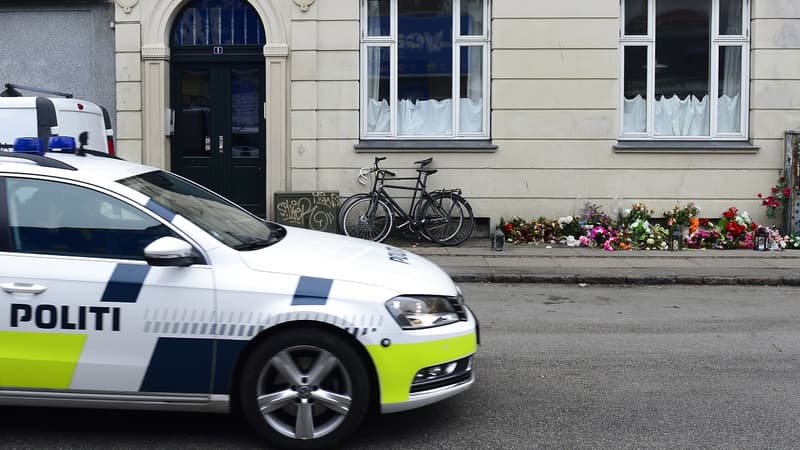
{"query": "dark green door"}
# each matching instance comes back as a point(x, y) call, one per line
point(219, 139)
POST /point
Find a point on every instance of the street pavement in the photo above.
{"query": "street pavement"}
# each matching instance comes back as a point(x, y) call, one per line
point(474, 261)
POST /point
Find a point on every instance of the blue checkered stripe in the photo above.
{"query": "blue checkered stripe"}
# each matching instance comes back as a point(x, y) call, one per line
point(238, 324)
point(230, 324)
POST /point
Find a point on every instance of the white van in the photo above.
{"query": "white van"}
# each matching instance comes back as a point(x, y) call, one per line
point(44, 117)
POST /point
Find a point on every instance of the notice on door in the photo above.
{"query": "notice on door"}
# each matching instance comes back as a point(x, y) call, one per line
point(312, 210)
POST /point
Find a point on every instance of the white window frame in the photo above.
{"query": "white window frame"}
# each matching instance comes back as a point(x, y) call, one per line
point(459, 41)
point(717, 41)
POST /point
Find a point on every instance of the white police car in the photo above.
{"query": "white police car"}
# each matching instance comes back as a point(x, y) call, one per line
point(125, 286)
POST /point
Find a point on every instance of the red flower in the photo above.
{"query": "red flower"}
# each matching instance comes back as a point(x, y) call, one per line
point(775, 190)
point(786, 192)
point(509, 227)
point(759, 195)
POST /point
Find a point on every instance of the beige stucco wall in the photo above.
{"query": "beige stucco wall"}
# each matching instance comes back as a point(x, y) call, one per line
point(554, 96)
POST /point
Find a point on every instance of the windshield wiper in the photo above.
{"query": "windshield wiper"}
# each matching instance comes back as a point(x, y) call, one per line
point(260, 243)
point(254, 245)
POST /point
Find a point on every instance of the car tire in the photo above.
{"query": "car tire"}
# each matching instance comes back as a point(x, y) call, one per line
point(305, 388)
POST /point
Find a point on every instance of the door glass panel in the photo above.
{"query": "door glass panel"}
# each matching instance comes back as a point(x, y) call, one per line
point(194, 113)
point(244, 112)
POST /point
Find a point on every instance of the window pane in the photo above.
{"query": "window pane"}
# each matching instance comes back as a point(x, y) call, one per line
point(729, 118)
point(472, 17)
point(634, 118)
point(378, 102)
point(471, 81)
point(245, 112)
point(682, 67)
point(730, 17)
point(425, 68)
point(378, 18)
point(194, 111)
point(61, 219)
point(635, 17)
point(218, 22)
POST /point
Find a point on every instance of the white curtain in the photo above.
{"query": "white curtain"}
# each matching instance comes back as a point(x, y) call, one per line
point(730, 90)
point(426, 117)
point(681, 117)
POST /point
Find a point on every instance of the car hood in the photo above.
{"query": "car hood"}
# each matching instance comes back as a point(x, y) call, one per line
point(325, 255)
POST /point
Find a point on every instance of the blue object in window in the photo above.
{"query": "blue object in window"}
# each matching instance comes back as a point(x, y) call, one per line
point(218, 22)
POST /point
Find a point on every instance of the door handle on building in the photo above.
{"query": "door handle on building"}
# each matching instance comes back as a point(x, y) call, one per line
point(221, 143)
point(23, 288)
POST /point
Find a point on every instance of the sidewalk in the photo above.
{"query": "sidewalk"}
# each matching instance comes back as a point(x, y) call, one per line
point(474, 261)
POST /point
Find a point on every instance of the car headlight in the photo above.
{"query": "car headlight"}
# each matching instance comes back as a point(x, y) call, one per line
point(422, 311)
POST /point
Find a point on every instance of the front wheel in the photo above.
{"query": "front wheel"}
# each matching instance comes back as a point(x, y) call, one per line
point(368, 218)
point(305, 389)
point(447, 218)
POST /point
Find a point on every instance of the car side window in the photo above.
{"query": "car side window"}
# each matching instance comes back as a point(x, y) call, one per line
point(49, 217)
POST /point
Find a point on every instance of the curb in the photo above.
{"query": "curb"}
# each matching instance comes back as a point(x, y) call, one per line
point(646, 280)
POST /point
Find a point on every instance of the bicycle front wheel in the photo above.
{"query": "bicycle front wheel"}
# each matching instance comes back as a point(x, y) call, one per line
point(346, 204)
point(367, 218)
point(447, 219)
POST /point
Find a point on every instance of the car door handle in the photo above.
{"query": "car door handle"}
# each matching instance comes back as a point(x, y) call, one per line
point(23, 288)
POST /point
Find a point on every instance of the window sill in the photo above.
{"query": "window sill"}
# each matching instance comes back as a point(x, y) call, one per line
point(443, 146)
point(715, 147)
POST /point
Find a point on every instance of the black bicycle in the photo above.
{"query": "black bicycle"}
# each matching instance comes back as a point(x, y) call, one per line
point(442, 216)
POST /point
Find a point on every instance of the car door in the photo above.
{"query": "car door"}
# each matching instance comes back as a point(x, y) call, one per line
point(81, 310)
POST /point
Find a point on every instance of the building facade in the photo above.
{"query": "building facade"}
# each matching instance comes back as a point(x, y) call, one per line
point(63, 46)
point(531, 107)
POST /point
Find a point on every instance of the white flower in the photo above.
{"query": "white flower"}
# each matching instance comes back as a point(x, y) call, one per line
point(651, 241)
point(627, 212)
point(572, 242)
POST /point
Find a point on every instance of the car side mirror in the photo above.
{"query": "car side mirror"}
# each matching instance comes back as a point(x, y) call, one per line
point(169, 251)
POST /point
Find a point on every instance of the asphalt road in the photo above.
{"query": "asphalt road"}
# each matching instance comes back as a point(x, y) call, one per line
point(559, 367)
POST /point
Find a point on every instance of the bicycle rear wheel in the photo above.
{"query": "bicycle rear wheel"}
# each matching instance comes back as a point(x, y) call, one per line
point(367, 218)
point(447, 219)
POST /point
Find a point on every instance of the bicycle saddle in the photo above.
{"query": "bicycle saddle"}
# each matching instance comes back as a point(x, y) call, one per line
point(424, 162)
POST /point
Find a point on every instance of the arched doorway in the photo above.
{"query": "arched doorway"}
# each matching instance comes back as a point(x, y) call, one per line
point(218, 98)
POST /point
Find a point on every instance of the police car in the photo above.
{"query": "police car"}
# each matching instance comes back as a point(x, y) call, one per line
point(125, 286)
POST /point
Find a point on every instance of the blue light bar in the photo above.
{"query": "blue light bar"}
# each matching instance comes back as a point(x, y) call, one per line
point(28, 145)
point(65, 144)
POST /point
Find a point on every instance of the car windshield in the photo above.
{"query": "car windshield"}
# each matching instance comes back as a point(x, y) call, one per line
point(222, 219)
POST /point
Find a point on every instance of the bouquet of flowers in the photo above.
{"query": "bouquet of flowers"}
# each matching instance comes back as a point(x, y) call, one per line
point(679, 216)
point(569, 226)
point(648, 237)
point(736, 229)
point(781, 193)
point(703, 235)
point(638, 212)
point(593, 215)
